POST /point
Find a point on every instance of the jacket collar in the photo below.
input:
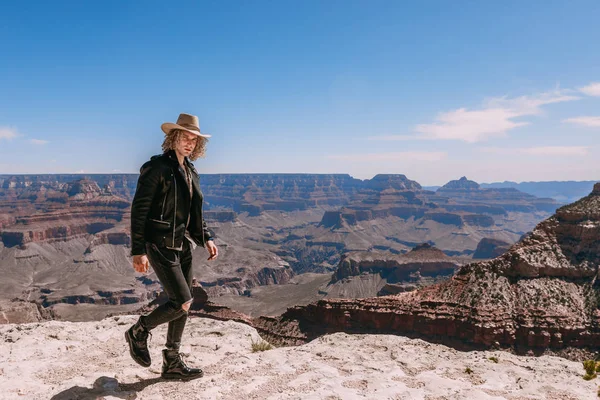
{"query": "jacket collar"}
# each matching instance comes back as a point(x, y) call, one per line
point(172, 157)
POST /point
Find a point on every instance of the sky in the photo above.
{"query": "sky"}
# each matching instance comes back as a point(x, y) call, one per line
point(435, 90)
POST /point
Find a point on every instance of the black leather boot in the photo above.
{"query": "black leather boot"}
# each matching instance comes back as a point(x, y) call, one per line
point(174, 367)
point(137, 338)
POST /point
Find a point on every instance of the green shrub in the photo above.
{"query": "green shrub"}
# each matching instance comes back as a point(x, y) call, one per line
point(589, 366)
point(494, 359)
point(589, 377)
point(261, 345)
point(468, 370)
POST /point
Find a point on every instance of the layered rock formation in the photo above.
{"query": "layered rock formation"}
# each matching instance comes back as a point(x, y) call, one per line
point(122, 185)
point(459, 213)
point(245, 279)
point(83, 209)
point(255, 193)
point(466, 192)
point(424, 258)
point(543, 293)
point(368, 274)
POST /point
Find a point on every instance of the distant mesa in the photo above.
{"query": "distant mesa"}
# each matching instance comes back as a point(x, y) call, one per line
point(469, 196)
point(392, 181)
point(460, 184)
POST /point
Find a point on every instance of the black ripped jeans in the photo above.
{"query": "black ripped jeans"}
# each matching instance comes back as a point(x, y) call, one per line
point(174, 271)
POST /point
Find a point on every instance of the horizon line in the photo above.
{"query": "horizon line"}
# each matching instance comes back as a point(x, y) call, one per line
point(292, 173)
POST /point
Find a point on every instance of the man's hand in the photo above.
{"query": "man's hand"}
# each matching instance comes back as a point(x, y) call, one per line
point(212, 250)
point(141, 263)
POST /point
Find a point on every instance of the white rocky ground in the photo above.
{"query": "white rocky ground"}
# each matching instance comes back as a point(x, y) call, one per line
point(90, 360)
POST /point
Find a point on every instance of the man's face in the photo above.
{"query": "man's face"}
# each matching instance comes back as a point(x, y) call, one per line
point(186, 143)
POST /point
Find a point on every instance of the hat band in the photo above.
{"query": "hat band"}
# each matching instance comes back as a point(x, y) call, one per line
point(190, 127)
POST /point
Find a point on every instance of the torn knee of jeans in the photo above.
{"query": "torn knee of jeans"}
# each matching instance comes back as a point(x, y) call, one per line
point(186, 306)
point(175, 306)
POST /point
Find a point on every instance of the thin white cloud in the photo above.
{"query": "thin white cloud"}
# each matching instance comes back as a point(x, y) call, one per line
point(391, 156)
point(393, 138)
point(494, 119)
point(593, 89)
point(38, 141)
point(541, 151)
point(593, 122)
point(531, 105)
point(7, 132)
point(470, 126)
point(556, 151)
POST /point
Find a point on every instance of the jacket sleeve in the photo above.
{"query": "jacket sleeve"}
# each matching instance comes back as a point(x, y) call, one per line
point(206, 232)
point(144, 194)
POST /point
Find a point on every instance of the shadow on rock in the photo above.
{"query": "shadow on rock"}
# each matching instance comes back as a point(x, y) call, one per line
point(105, 386)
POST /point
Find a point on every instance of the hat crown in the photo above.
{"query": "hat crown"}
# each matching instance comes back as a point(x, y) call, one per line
point(185, 122)
point(188, 121)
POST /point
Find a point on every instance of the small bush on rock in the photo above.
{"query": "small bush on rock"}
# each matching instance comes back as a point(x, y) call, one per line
point(261, 345)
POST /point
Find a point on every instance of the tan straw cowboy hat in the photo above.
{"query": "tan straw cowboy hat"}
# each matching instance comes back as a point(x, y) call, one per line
point(185, 122)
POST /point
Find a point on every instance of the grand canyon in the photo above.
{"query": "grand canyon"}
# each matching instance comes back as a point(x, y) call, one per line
point(65, 239)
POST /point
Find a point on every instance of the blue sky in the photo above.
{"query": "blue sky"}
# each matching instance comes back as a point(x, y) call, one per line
point(434, 90)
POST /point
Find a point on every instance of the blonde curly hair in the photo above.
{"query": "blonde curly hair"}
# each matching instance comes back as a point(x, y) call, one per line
point(172, 138)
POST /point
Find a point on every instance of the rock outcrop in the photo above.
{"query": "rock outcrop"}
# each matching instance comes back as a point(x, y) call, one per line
point(247, 279)
point(423, 260)
point(490, 248)
point(21, 312)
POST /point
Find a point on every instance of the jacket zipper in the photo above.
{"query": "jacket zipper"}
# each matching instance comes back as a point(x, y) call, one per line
point(162, 213)
point(175, 208)
point(160, 222)
point(188, 173)
point(202, 222)
point(201, 214)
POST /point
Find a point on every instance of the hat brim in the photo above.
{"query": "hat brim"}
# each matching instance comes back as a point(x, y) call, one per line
point(169, 126)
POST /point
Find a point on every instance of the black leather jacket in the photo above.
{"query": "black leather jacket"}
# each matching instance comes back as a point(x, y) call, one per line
point(162, 204)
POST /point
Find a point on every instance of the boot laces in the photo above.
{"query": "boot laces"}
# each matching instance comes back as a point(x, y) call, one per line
point(177, 360)
point(180, 361)
point(142, 336)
